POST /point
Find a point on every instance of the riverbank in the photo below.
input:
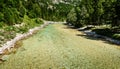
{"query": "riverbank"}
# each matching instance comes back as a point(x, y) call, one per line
point(10, 44)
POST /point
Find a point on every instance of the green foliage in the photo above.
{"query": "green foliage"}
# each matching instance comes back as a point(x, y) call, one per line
point(38, 21)
point(9, 32)
point(107, 32)
point(9, 16)
point(72, 16)
point(1, 16)
point(97, 12)
point(104, 31)
point(31, 14)
point(2, 24)
point(37, 10)
point(22, 29)
point(13, 11)
point(9, 28)
point(116, 36)
point(29, 23)
point(22, 11)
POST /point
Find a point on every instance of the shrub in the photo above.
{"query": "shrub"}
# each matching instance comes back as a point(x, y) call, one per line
point(38, 21)
point(31, 14)
point(9, 28)
point(104, 31)
point(116, 36)
point(17, 18)
point(1, 16)
point(37, 10)
point(22, 11)
point(71, 17)
point(23, 29)
point(9, 16)
point(2, 24)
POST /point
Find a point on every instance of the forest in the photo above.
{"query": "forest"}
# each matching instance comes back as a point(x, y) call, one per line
point(78, 13)
point(13, 12)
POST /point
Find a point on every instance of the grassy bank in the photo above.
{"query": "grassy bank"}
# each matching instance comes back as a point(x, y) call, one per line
point(8, 32)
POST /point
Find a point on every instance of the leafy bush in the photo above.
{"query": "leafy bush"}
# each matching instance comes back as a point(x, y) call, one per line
point(108, 32)
point(2, 24)
point(31, 14)
point(71, 17)
point(104, 31)
point(9, 35)
point(22, 11)
point(17, 18)
point(9, 28)
point(22, 29)
point(36, 10)
point(1, 16)
point(9, 16)
point(38, 21)
point(116, 36)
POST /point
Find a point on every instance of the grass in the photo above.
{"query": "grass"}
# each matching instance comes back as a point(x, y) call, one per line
point(58, 47)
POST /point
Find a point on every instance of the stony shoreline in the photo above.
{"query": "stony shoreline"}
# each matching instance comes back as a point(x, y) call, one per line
point(10, 44)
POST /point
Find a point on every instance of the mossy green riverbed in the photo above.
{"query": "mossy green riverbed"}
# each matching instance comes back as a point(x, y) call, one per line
point(60, 47)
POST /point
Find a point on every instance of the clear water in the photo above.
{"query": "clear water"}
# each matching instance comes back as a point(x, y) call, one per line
point(59, 47)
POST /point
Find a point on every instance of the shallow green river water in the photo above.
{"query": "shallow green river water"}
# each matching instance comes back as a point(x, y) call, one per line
point(59, 47)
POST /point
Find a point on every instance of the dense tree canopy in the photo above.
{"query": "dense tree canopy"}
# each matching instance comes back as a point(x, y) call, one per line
point(97, 12)
point(13, 11)
point(77, 12)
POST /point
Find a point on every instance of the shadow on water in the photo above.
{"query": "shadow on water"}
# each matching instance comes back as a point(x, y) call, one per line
point(88, 36)
point(69, 26)
point(96, 38)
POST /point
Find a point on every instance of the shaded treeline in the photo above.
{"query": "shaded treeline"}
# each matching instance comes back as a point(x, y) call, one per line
point(95, 12)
